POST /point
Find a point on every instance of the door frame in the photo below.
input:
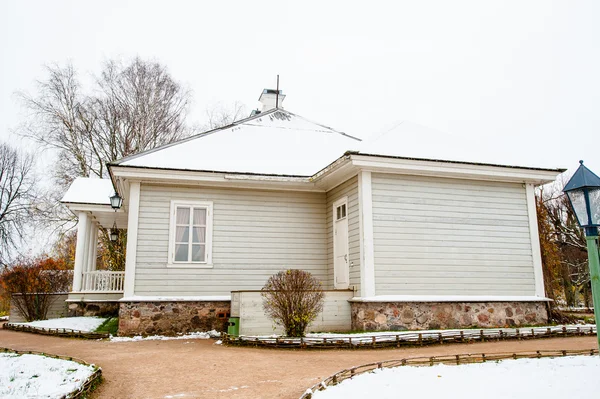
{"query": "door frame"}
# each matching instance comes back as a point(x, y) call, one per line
point(338, 202)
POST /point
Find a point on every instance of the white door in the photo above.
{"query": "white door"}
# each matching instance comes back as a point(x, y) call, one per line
point(341, 270)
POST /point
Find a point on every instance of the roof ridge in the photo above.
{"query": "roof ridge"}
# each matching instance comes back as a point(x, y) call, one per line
point(215, 130)
point(190, 138)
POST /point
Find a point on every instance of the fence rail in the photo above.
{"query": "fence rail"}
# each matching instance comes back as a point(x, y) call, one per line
point(60, 332)
point(412, 338)
point(103, 281)
point(430, 361)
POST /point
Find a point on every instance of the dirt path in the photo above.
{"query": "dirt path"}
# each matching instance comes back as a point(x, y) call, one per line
point(185, 369)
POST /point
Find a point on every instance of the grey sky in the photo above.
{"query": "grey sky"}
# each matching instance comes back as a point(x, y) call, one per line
point(522, 73)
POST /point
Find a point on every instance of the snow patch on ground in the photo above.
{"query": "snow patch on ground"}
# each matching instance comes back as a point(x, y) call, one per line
point(549, 378)
point(193, 335)
point(36, 376)
point(3, 318)
point(86, 324)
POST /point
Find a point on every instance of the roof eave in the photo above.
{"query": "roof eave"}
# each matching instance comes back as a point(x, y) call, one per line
point(454, 169)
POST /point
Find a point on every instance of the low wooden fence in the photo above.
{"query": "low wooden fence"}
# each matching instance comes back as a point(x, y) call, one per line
point(410, 339)
point(88, 385)
point(433, 360)
point(60, 332)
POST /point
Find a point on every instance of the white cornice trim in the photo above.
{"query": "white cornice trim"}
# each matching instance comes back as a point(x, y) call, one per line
point(453, 170)
point(234, 180)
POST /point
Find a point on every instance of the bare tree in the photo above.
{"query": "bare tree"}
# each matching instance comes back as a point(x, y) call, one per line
point(219, 115)
point(564, 251)
point(293, 299)
point(130, 108)
point(18, 197)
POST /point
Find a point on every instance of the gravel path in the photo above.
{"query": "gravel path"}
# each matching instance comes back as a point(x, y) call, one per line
point(200, 369)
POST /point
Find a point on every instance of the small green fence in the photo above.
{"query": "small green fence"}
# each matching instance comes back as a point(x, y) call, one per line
point(410, 339)
point(60, 332)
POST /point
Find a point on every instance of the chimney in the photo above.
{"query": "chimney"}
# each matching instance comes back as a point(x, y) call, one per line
point(269, 97)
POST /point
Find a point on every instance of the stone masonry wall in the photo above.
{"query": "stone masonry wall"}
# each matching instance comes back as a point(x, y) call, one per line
point(396, 316)
point(172, 318)
point(93, 309)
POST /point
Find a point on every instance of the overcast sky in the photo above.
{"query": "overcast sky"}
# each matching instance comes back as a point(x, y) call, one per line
point(521, 77)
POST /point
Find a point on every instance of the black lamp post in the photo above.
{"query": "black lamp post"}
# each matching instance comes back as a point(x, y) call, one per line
point(583, 191)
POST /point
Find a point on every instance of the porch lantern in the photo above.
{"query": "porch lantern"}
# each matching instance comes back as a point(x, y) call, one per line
point(114, 234)
point(116, 201)
point(583, 191)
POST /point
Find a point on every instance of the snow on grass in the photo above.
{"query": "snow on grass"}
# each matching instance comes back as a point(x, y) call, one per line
point(192, 335)
point(86, 324)
point(37, 376)
point(548, 378)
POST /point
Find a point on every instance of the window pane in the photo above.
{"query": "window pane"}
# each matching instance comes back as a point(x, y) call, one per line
point(200, 216)
point(344, 210)
point(181, 252)
point(198, 253)
point(199, 235)
point(594, 195)
point(578, 202)
point(182, 234)
point(339, 213)
point(183, 215)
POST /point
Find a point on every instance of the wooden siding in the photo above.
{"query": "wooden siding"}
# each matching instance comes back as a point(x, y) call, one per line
point(336, 314)
point(436, 236)
point(349, 189)
point(256, 233)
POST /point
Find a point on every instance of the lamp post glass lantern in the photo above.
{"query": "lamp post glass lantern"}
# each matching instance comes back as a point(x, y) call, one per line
point(114, 233)
point(116, 201)
point(583, 191)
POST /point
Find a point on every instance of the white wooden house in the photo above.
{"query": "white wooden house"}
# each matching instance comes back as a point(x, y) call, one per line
point(398, 242)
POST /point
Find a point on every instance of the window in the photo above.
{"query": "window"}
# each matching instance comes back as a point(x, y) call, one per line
point(190, 234)
point(340, 212)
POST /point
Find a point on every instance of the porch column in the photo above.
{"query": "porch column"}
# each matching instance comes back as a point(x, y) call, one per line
point(365, 224)
point(132, 230)
point(80, 250)
point(94, 247)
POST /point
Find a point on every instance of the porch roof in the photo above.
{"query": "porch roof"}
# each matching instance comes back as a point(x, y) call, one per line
point(86, 190)
point(92, 195)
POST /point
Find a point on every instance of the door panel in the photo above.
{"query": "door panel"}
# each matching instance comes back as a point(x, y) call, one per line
point(341, 262)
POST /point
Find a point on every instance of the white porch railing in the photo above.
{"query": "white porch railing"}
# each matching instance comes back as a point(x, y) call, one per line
point(103, 281)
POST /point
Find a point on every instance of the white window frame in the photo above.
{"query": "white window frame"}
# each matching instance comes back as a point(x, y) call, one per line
point(208, 205)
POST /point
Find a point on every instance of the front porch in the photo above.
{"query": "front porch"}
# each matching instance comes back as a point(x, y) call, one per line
point(89, 283)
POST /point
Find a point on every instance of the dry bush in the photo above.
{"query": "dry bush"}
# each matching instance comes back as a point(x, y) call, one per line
point(32, 280)
point(293, 299)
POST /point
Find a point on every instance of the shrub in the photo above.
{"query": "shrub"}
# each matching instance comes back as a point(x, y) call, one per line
point(33, 279)
point(293, 299)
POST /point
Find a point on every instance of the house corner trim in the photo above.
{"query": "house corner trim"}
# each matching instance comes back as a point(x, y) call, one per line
point(367, 254)
point(536, 251)
point(132, 233)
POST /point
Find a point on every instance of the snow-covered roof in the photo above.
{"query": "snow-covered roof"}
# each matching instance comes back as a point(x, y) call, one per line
point(276, 142)
point(86, 190)
point(409, 140)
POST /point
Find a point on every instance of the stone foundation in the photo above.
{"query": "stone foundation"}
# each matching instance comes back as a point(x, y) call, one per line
point(172, 318)
point(93, 309)
point(397, 316)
